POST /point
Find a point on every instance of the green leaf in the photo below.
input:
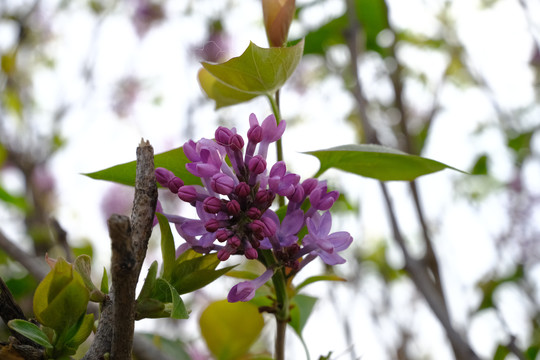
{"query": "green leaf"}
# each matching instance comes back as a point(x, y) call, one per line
point(174, 160)
point(258, 71)
point(377, 162)
point(302, 308)
point(83, 330)
point(222, 94)
point(61, 298)
point(230, 329)
point(178, 310)
point(300, 312)
point(104, 286)
point(83, 265)
point(168, 251)
point(149, 282)
point(313, 279)
point(193, 271)
point(30, 331)
point(501, 352)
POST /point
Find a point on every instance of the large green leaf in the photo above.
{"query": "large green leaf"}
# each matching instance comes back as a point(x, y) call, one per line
point(258, 71)
point(61, 297)
point(377, 162)
point(222, 94)
point(30, 331)
point(175, 160)
point(230, 329)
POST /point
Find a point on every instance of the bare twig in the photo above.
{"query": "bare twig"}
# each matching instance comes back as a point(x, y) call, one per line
point(129, 244)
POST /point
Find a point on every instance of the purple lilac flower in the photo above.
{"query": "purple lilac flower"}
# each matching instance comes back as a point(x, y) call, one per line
point(245, 290)
point(233, 204)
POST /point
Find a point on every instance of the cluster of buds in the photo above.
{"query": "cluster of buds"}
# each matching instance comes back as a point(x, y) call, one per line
point(233, 203)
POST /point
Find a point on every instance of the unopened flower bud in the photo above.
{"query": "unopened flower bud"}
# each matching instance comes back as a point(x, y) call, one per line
point(253, 213)
point(236, 142)
point(222, 235)
point(163, 176)
point(212, 225)
point(212, 205)
point(234, 241)
point(251, 253)
point(175, 184)
point(242, 189)
point(257, 165)
point(233, 207)
point(278, 15)
point(222, 184)
point(187, 193)
point(223, 135)
point(255, 134)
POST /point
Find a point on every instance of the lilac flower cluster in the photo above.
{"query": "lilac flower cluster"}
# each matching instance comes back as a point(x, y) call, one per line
point(233, 204)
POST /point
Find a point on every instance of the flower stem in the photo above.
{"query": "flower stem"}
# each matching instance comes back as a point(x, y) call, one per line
point(282, 314)
point(274, 103)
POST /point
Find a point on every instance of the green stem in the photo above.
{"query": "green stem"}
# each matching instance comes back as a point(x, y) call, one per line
point(282, 314)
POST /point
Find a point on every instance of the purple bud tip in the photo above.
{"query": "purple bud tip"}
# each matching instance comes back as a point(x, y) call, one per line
point(258, 227)
point(255, 134)
point(175, 183)
point(222, 184)
point(222, 235)
point(163, 176)
point(234, 241)
point(257, 165)
point(298, 194)
point(187, 193)
point(262, 197)
point(309, 185)
point(233, 207)
point(253, 213)
point(242, 189)
point(223, 254)
point(251, 253)
point(236, 142)
point(212, 225)
point(212, 205)
point(223, 135)
point(270, 226)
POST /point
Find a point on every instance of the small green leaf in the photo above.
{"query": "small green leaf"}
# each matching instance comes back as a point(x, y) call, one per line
point(313, 279)
point(30, 331)
point(149, 282)
point(178, 310)
point(168, 251)
point(193, 271)
point(83, 265)
point(174, 160)
point(104, 287)
point(222, 94)
point(258, 71)
point(377, 162)
point(230, 329)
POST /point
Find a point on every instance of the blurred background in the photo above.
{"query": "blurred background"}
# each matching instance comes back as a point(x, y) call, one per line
point(82, 82)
